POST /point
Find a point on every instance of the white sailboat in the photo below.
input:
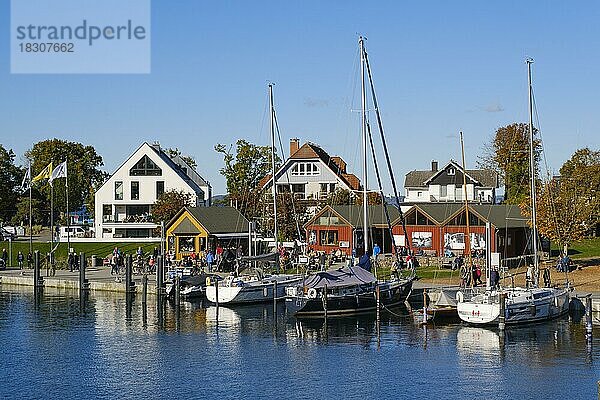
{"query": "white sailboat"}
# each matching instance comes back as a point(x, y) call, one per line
point(251, 288)
point(520, 305)
point(353, 290)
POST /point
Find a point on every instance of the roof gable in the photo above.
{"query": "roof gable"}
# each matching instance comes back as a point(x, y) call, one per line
point(478, 177)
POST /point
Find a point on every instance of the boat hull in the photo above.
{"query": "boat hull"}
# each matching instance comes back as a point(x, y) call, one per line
point(256, 292)
point(518, 311)
point(391, 294)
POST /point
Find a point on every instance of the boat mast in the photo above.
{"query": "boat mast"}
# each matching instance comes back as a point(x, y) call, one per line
point(468, 238)
point(536, 266)
point(364, 138)
point(274, 188)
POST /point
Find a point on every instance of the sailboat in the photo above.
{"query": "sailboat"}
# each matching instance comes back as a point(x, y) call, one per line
point(256, 288)
point(519, 305)
point(352, 290)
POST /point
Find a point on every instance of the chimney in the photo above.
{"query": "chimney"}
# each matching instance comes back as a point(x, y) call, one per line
point(294, 145)
point(434, 166)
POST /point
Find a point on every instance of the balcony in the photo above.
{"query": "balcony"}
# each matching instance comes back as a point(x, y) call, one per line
point(130, 221)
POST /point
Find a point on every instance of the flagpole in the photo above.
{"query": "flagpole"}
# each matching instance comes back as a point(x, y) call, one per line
point(30, 214)
point(68, 216)
point(51, 222)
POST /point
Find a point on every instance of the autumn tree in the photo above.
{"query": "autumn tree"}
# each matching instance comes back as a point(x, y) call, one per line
point(84, 174)
point(169, 203)
point(11, 177)
point(568, 205)
point(508, 155)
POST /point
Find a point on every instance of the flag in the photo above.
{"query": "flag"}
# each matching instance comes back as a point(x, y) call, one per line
point(45, 174)
point(26, 180)
point(59, 172)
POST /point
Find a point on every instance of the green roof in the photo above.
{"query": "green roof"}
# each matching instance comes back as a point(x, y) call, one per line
point(376, 214)
point(499, 215)
point(220, 219)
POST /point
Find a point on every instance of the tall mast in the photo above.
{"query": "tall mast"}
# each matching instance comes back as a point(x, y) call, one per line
point(529, 61)
point(364, 138)
point(274, 189)
point(468, 238)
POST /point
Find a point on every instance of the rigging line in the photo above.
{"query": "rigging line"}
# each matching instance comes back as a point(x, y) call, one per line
point(387, 214)
point(287, 177)
point(385, 149)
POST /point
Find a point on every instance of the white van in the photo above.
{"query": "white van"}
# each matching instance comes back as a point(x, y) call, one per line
point(72, 231)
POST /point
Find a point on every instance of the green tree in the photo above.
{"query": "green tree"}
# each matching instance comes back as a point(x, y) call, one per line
point(84, 174)
point(39, 210)
point(11, 177)
point(568, 206)
point(508, 155)
point(169, 203)
point(243, 171)
point(340, 197)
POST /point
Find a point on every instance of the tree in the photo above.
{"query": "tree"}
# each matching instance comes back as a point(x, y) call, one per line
point(169, 203)
point(189, 160)
point(243, 171)
point(569, 205)
point(340, 197)
point(84, 174)
point(11, 177)
point(291, 217)
point(40, 211)
point(508, 155)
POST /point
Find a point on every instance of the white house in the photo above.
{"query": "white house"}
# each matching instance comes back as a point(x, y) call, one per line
point(123, 204)
point(311, 174)
point(446, 185)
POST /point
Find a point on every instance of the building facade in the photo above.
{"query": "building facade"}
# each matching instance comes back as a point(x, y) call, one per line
point(123, 204)
point(445, 185)
point(311, 173)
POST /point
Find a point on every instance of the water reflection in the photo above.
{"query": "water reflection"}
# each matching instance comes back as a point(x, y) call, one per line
point(145, 345)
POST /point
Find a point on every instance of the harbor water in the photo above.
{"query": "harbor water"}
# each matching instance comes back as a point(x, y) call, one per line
point(57, 345)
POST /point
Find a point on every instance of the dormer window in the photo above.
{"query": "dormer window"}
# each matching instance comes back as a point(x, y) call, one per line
point(145, 167)
point(305, 169)
point(451, 171)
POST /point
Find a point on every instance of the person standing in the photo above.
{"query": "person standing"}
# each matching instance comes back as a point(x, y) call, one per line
point(376, 252)
point(5, 257)
point(20, 259)
point(210, 259)
point(29, 260)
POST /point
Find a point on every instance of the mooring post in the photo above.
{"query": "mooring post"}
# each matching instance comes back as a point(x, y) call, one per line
point(325, 301)
point(378, 301)
point(36, 268)
point(177, 283)
point(275, 298)
point(82, 267)
point(217, 294)
point(502, 316)
point(145, 290)
point(159, 274)
point(128, 265)
point(424, 306)
point(588, 317)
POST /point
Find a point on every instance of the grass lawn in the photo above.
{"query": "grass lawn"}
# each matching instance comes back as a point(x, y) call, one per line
point(588, 248)
point(89, 248)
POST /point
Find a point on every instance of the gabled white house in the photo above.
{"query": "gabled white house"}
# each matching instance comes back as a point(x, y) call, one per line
point(123, 204)
point(311, 174)
point(446, 185)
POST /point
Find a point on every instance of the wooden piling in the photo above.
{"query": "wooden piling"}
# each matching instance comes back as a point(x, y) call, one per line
point(502, 316)
point(82, 266)
point(159, 274)
point(325, 300)
point(128, 271)
point(37, 278)
point(177, 283)
point(588, 316)
point(378, 302)
point(424, 322)
point(217, 293)
point(145, 290)
point(275, 298)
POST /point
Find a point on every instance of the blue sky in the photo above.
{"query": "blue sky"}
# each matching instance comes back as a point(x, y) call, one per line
point(439, 67)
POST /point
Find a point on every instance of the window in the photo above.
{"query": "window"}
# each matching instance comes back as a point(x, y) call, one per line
point(299, 190)
point(118, 190)
point(443, 191)
point(305, 169)
point(331, 187)
point(324, 187)
point(328, 238)
point(451, 171)
point(135, 190)
point(186, 244)
point(160, 188)
point(329, 220)
point(145, 167)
